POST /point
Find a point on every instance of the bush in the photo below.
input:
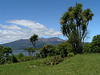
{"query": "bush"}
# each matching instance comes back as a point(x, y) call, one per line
point(20, 55)
point(47, 50)
point(95, 49)
point(2, 60)
point(70, 54)
point(87, 48)
point(54, 61)
point(14, 59)
point(11, 59)
point(63, 49)
point(95, 44)
point(7, 50)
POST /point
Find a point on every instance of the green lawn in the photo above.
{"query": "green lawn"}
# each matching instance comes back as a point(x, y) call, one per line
point(85, 64)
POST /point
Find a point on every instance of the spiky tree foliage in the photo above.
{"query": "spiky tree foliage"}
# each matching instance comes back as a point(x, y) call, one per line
point(33, 39)
point(74, 25)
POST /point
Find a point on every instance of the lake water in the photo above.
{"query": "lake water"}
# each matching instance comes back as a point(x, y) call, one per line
point(16, 52)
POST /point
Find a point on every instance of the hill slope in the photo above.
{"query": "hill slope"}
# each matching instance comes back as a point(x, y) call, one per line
point(85, 64)
point(25, 43)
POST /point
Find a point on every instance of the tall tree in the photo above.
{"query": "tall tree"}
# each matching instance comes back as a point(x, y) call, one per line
point(33, 39)
point(74, 25)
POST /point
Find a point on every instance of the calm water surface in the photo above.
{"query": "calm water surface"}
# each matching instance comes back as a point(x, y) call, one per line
point(16, 52)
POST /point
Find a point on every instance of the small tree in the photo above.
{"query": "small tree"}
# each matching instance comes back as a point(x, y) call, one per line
point(33, 39)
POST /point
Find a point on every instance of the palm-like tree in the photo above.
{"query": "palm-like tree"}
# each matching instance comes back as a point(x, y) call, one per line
point(74, 25)
point(33, 39)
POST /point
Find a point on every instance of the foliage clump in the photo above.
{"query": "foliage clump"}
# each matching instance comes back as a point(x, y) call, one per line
point(12, 59)
point(47, 50)
point(56, 60)
point(94, 46)
point(70, 54)
point(63, 49)
point(20, 55)
point(87, 48)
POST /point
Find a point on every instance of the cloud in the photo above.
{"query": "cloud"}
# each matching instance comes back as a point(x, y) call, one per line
point(10, 27)
point(28, 24)
point(23, 29)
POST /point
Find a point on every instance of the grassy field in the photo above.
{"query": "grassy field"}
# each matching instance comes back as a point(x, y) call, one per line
point(85, 64)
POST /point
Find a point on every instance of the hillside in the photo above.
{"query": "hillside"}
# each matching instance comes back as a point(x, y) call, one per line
point(85, 64)
point(25, 43)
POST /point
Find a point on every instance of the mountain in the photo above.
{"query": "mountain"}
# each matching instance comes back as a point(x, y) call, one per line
point(25, 43)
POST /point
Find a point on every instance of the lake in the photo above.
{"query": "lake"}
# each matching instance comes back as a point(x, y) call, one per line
point(16, 52)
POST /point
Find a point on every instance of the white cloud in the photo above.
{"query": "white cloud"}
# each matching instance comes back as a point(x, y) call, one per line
point(27, 23)
point(22, 29)
point(10, 27)
point(8, 36)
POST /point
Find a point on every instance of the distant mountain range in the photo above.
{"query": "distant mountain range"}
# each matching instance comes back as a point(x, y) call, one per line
point(25, 43)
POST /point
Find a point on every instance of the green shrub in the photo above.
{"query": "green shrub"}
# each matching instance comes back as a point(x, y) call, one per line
point(87, 48)
point(20, 55)
point(14, 59)
point(95, 49)
point(95, 44)
point(70, 54)
point(63, 49)
point(54, 61)
point(2, 60)
point(7, 50)
point(47, 50)
point(11, 59)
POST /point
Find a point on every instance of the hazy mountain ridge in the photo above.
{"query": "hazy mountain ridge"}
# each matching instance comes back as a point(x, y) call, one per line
point(25, 43)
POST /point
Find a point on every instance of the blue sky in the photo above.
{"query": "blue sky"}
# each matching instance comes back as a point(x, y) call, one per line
point(19, 19)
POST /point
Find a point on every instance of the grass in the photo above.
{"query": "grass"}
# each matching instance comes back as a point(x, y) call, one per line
point(85, 64)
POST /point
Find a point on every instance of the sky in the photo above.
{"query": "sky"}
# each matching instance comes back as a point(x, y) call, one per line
point(20, 19)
